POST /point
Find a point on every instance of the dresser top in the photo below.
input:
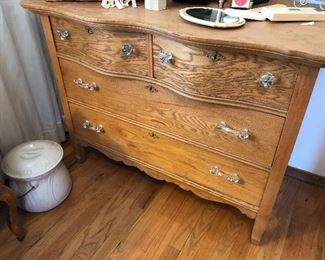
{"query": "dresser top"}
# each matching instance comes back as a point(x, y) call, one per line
point(292, 41)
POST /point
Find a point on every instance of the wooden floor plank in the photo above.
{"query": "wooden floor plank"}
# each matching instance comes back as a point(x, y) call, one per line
point(117, 212)
point(305, 225)
point(97, 225)
point(320, 253)
point(152, 226)
point(86, 179)
point(177, 229)
point(79, 214)
point(115, 218)
point(274, 237)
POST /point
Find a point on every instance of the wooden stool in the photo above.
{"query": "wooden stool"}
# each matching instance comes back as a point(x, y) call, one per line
point(7, 196)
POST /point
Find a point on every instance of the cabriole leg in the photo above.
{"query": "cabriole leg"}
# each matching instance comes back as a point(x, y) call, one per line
point(259, 228)
point(7, 196)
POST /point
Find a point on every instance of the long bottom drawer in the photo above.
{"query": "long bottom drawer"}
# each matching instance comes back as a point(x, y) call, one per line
point(188, 162)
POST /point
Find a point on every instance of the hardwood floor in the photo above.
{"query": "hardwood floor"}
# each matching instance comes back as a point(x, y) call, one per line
point(117, 212)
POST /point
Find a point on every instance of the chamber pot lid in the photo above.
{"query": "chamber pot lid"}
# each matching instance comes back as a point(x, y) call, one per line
point(32, 159)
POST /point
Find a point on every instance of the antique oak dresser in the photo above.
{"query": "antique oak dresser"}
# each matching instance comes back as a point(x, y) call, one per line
point(216, 112)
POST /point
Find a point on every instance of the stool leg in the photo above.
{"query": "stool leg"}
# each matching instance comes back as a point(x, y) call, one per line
point(8, 197)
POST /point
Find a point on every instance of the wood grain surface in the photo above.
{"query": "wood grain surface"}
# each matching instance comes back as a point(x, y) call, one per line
point(173, 114)
point(117, 212)
point(285, 41)
point(158, 173)
point(172, 156)
point(235, 77)
point(49, 38)
point(102, 48)
point(95, 39)
point(303, 90)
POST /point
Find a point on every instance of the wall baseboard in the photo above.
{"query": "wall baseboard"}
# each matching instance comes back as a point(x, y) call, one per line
point(305, 176)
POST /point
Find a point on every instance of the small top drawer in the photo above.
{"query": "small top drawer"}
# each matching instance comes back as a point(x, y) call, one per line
point(207, 73)
point(113, 51)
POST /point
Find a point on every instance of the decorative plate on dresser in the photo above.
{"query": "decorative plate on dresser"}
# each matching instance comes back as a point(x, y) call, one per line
point(215, 113)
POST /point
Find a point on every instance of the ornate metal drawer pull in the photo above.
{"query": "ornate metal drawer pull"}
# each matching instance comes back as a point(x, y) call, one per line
point(79, 83)
point(151, 88)
point(96, 128)
point(215, 56)
point(231, 178)
point(242, 134)
point(267, 80)
point(153, 135)
point(63, 34)
point(165, 57)
point(127, 50)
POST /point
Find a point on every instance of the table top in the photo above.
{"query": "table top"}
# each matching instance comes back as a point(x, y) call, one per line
point(287, 40)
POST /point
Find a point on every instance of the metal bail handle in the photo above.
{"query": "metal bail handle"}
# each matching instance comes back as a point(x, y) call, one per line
point(33, 186)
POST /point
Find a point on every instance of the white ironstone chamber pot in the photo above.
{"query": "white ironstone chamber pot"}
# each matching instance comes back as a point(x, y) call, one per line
point(37, 174)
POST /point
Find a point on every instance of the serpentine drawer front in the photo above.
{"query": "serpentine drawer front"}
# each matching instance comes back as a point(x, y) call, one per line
point(254, 137)
point(114, 51)
point(209, 73)
point(177, 158)
point(214, 111)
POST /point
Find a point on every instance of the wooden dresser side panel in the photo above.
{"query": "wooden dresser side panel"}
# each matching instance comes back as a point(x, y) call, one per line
point(300, 99)
point(45, 20)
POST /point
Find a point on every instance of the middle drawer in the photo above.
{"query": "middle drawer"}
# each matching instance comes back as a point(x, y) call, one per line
point(194, 121)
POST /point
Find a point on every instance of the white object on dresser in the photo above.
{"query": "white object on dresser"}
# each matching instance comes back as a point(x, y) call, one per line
point(37, 175)
point(155, 5)
point(246, 14)
point(279, 13)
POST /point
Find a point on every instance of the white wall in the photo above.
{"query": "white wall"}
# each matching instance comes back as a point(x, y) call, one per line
point(309, 150)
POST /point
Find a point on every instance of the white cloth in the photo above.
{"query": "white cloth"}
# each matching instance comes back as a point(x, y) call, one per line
point(28, 104)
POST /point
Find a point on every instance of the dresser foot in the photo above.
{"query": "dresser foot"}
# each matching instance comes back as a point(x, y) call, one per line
point(81, 153)
point(18, 231)
point(255, 240)
point(8, 197)
point(259, 228)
